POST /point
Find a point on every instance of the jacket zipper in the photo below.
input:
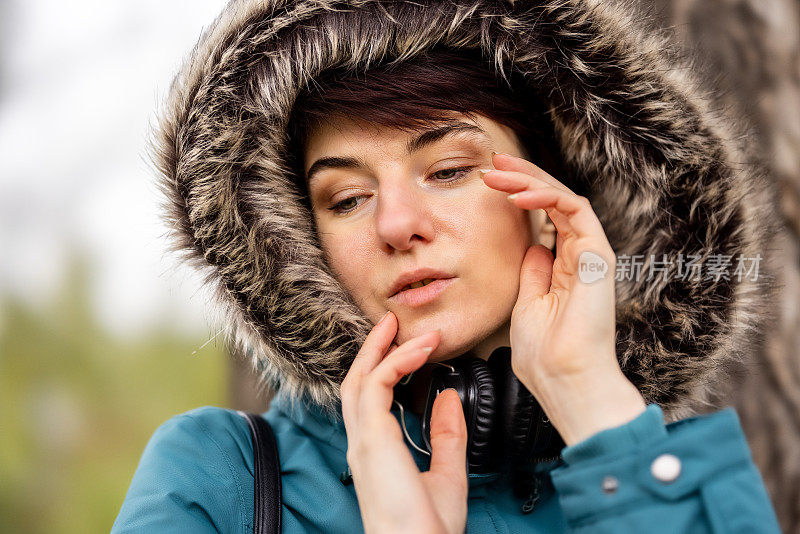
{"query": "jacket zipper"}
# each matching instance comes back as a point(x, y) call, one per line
point(536, 486)
point(534, 495)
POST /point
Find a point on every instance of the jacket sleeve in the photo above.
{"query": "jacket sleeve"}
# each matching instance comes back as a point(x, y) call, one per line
point(694, 475)
point(189, 478)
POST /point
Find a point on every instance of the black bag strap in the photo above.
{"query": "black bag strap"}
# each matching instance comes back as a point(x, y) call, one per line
point(267, 472)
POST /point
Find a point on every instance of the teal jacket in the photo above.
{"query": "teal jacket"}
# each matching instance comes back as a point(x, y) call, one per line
point(196, 475)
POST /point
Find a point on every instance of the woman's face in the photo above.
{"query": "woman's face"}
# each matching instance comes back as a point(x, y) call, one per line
point(392, 202)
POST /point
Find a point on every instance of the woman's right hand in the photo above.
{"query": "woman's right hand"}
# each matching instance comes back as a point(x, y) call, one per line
point(393, 495)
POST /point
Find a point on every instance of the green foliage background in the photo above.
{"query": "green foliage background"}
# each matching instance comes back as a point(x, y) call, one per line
point(77, 407)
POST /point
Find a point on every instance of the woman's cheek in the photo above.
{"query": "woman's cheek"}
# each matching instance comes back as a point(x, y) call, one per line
point(505, 242)
point(346, 256)
point(504, 229)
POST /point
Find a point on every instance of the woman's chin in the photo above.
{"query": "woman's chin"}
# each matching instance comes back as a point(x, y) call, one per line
point(451, 346)
point(459, 332)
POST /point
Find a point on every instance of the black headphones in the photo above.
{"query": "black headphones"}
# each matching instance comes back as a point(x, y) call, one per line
point(506, 425)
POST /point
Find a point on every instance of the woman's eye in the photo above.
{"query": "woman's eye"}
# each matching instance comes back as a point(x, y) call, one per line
point(454, 174)
point(447, 176)
point(339, 207)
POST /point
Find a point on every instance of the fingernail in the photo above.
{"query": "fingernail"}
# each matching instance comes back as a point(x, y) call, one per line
point(484, 171)
point(513, 196)
point(427, 350)
point(500, 153)
point(385, 315)
point(453, 390)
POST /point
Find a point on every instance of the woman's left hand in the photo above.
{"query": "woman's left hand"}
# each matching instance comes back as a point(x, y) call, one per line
point(563, 324)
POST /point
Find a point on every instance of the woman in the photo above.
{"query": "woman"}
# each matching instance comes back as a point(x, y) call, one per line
point(318, 156)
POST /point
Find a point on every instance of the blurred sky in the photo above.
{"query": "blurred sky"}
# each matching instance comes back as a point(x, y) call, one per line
point(80, 82)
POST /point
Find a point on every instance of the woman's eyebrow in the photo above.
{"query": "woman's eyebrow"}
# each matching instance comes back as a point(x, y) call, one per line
point(425, 138)
point(332, 162)
point(433, 135)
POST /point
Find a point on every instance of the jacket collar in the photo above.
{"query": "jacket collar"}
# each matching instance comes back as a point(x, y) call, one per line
point(327, 426)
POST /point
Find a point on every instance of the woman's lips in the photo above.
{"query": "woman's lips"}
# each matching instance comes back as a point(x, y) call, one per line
point(422, 295)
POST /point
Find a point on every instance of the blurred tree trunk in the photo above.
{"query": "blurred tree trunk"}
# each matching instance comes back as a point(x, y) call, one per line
point(749, 53)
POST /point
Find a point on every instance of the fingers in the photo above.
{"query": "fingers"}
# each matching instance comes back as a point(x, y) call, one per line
point(446, 479)
point(377, 388)
point(377, 343)
point(577, 225)
point(367, 389)
point(571, 214)
point(448, 436)
point(519, 183)
point(507, 162)
point(578, 228)
point(516, 175)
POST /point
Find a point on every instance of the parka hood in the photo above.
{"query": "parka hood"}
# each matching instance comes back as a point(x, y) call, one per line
point(665, 172)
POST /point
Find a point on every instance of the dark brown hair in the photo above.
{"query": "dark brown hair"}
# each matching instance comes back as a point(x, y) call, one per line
point(419, 92)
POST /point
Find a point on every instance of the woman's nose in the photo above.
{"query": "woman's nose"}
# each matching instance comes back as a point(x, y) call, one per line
point(403, 215)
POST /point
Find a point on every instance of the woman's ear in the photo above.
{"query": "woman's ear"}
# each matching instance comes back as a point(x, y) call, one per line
point(543, 231)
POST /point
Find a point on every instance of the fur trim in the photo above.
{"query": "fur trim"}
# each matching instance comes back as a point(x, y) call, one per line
point(661, 167)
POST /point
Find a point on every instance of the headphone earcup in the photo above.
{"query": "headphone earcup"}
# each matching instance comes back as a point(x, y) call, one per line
point(524, 432)
point(481, 449)
point(515, 407)
point(504, 421)
point(473, 382)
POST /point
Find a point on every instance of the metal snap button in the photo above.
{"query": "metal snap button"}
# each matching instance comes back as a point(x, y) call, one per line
point(666, 468)
point(610, 484)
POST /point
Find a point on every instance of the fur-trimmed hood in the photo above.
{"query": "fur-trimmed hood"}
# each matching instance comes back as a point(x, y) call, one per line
point(665, 173)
